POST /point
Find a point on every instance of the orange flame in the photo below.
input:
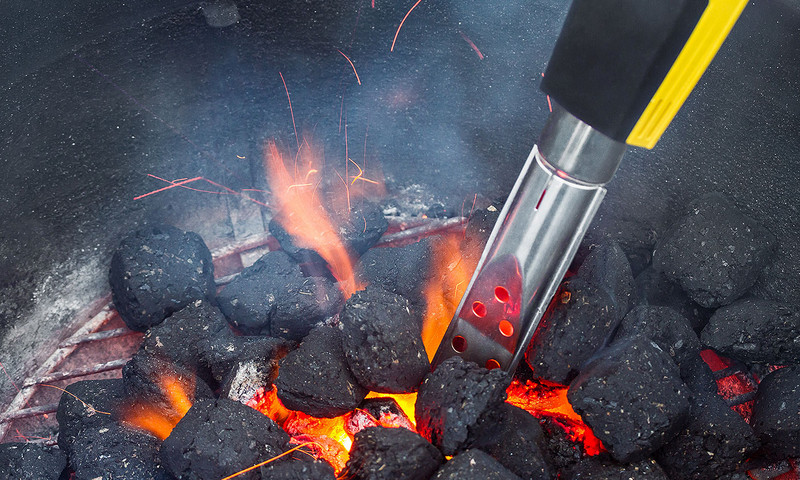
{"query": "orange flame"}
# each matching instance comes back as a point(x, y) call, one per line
point(159, 421)
point(303, 216)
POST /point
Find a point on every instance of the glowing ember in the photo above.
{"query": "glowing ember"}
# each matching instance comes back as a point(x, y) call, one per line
point(158, 420)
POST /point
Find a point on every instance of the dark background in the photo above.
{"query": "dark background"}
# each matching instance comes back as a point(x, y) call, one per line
point(95, 95)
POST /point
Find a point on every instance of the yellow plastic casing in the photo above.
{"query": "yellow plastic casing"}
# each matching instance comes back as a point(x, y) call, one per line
point(705, 40)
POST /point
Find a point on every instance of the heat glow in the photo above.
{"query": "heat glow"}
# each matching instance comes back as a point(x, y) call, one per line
point(161, 419)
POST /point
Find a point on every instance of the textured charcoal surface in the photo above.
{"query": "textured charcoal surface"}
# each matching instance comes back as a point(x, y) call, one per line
point(632, 398)
point(217, 438)
point(273, 297)
point(178, 337)
point(359, 232)
point(74, 415)
point(452, 400)
point(391, 454)
point(315, 378)
point(255, 368)
point(383, 342)
point(604, 469)
point(776, 412)
point(716, 440)
point(298, 470)
point(568, 337)
point(654, 288)
point(756, 331)
point(715, 252)
point(607, 266)
point(159, 270)
point(30, 461)
point(559, 450)
point(474, 465)
point(144, 376)
point(697, 375)
point(401, 270)
point(220, 354)
point(516, 442)
point(115, 451)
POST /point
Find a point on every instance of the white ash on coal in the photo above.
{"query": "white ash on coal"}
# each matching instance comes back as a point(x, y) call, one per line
point(756, 331)
point(273, 297)
point(473, 464)
point(382, 341)
point(222, 353)
point(391, 454)
point(315, 378)
point(776, 413)
point(632, 397)
point(156, 271)
point(714, 251)
point(254, 369)
point(31, 461)
point(606, 469)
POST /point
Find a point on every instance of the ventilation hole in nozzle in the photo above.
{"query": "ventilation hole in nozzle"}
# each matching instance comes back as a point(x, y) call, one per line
point(501, 294)
point(491, 364)
point(459, 344)
point(506, 328)
point(479, 309)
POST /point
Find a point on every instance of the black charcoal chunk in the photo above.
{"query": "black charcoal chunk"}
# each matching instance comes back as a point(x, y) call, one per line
point(148, 379)
point(273, 297)
point(594, 468)
point(116, 451)
point(391, 454)
point(515, 441)
point(607, 266)
point(157, 271)
point(383, 342)
point(401, 270)
point(583, 317)
point(654, 288)
point(298, 470)
point(220, 354)
point(756, 331)
point(474, 465)
point(560, 451)
point(715, 441)
point(452, 400)
point(217, 438)
point(697, 375)
point(632, 398)
point(776, 412)
point(315, 378)
point(254, 370)
point(89, 404)
point(30, 461)
point(178, 337)
point(715, 252)
point(359, 231)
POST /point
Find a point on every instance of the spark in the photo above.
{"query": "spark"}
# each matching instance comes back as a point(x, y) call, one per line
point(173, 185)
point(9, 376)
point(351, 64)
point(471, 44)
point(291, 111)
point(401, 24)
point(183, 182)
point(88, 406)
point(249, 469)
point(373, 3)
point(240, 157)
point(346, 189)
point(360, 175)
point(549, 103)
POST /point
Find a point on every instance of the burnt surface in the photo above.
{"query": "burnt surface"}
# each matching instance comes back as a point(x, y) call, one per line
point(145, 377)
point(654, 288)
point(473, 465)
point(315, 378)
point(30, 461)
point(273, 297)
point(453, 398)
point(254, 369)
point(298, 470)
point(219, 355)
point(716, 440)
point(358, 232)
point(776, 412)
point(159, 270)
point(515, 441)
point(115, 451)
point(400, 270)
point(756, 331)
point(560, 451)
point(605, 469)
point(715, 252)
point(632, 398)
point(96, 408)
point(217, 438)
point(391, 454)
point(382, 341)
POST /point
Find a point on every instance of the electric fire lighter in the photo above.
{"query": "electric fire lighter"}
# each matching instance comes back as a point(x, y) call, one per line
point(619, 72)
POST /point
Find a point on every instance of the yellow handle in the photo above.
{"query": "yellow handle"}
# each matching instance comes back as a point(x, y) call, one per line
point(704, 42)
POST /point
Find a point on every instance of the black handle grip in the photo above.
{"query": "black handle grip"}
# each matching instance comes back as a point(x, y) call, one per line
point(612, 55)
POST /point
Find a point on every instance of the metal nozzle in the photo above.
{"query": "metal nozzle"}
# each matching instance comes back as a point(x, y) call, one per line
point(533, 242)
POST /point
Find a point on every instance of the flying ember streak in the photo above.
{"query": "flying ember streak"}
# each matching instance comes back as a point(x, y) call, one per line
point(351, 64)
point(401, 24)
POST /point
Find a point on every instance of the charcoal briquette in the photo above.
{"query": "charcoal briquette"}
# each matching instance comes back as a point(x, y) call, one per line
point(298, 470)
point(158, 270)
point(776, 412)
point(145, 377)
point(391, 454)
point(453, 398)
point(315, 378)
point(756, 331)
point(116, 451)
point(255, 368)
point(89, 404)
point(383, 341)
point(400, 270)
point(217, 438)
point(594, 468)
point(715, 252)
point(654, 288)
point(474, 464)
point(560, 451)
point(607, 266)
point(31, 461)
point(666, 327)
point(632, 398)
